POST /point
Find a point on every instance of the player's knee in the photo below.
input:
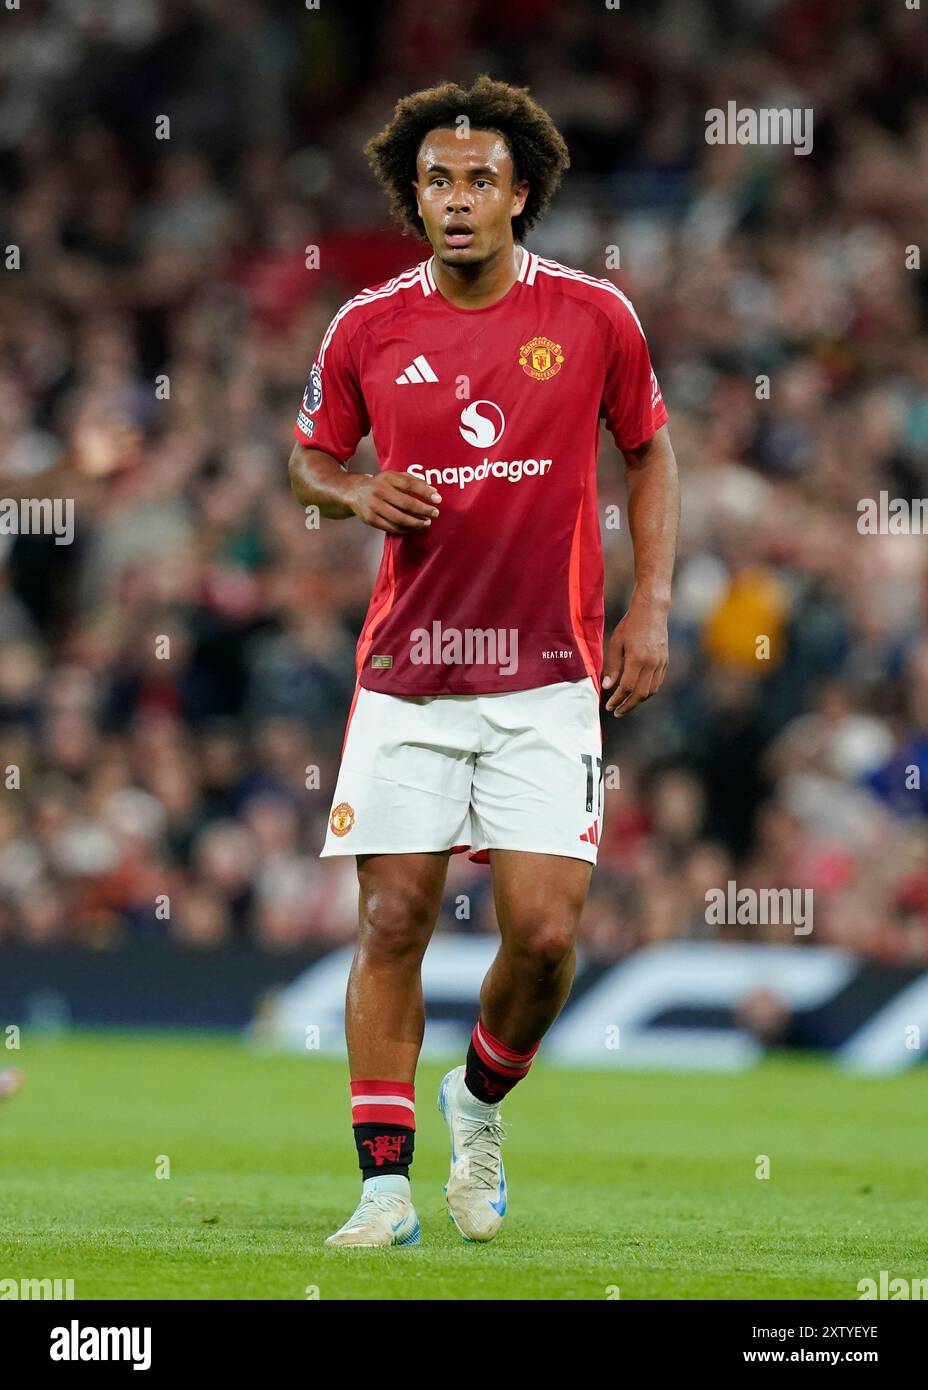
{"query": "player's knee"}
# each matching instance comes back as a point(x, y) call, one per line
point(544, 944)
point(396, 923)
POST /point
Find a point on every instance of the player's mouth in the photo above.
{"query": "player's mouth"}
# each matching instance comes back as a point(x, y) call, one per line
point(458, 234)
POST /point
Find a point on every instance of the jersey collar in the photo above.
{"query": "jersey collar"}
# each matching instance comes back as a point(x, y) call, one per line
point(528, 269)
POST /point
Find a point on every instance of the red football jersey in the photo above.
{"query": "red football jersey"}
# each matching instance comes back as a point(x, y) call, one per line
point(499, 409)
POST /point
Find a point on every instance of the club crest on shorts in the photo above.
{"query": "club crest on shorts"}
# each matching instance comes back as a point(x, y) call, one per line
point(342, 818)
point(540, 358)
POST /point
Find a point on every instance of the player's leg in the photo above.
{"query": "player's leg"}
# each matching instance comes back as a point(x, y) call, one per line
point(400, 898)
point(538, 899)
point(402, 799)
point(537, 796)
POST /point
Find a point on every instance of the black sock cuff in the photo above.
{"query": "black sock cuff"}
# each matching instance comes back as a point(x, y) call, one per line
point(384, 1149)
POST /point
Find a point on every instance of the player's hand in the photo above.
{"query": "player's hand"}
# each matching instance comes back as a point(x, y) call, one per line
point(394, 502)
point(636, 657)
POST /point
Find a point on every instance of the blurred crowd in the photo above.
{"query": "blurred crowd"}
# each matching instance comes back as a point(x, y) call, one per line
point(174, 684)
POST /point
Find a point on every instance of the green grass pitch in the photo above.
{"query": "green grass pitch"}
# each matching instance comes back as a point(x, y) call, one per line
point(642, 1183)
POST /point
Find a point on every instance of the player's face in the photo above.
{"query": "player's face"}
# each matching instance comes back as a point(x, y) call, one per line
point(466, 194)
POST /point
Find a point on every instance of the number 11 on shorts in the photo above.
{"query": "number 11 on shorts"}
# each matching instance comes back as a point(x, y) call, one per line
point(588, 759)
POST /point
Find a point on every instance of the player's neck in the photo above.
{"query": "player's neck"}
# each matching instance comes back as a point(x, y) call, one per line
point(478, 286)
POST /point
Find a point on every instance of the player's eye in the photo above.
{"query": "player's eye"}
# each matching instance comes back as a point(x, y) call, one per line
point(478, 183)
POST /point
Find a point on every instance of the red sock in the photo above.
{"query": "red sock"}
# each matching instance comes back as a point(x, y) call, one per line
point(493, 1068)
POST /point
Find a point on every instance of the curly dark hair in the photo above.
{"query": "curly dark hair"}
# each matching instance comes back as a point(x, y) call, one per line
point(538, 151)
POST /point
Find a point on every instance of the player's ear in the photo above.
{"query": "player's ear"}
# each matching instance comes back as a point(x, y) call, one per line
point(520, 193)
point(415, 184)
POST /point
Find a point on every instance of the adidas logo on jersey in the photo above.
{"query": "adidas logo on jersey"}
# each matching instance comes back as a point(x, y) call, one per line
point(416, 373)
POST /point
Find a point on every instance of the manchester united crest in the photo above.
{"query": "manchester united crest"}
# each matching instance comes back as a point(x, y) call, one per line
point(342, 818)
point(540, 358)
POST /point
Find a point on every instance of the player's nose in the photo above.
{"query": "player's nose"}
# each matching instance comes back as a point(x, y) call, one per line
point(459, 199)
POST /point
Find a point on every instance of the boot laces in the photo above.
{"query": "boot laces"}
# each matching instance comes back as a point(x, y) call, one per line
point(481, 1143)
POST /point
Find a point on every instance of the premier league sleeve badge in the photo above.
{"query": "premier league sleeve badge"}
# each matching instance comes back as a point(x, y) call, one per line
point(312, 396)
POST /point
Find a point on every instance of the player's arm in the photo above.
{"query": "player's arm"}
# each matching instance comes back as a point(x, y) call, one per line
point(637, 654)
point(331, 422)
point(389, 501)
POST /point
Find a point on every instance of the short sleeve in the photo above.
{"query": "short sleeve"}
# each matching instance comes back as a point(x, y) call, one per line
point(332, 414)
point(632, 404)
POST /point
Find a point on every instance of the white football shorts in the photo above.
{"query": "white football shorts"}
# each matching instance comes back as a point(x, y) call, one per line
point(518, 770)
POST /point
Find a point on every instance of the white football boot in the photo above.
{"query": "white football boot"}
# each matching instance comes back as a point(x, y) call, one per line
point(385, 1215)
point(476, 1186)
